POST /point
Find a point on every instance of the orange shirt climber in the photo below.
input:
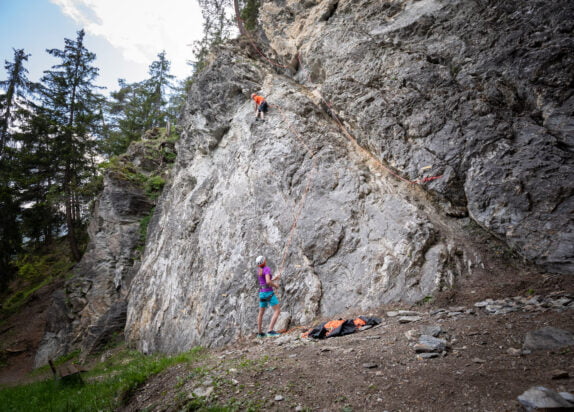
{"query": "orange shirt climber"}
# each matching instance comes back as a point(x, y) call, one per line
point(261, 106)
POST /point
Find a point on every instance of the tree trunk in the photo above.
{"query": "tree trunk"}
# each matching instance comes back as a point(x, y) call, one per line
point(70, 224)
point(237, 16)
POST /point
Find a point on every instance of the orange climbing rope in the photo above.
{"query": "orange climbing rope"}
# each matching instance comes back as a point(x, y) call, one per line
point(309, 181)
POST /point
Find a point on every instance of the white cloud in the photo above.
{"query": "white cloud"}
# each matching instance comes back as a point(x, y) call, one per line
point(141, 28)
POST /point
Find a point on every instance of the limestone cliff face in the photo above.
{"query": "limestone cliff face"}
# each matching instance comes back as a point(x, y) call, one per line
point(239, 188)
point(480, 91)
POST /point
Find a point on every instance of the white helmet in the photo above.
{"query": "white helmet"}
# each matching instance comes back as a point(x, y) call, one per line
point(259, 260)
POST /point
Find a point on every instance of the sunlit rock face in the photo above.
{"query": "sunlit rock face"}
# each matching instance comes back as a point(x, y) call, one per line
point(478, 94)
point(480, 91)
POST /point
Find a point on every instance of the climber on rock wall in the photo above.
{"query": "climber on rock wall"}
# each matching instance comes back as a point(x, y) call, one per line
point(261, 106)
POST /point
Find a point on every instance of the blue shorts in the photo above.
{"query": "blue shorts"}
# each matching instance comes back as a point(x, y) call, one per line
point(267, 299)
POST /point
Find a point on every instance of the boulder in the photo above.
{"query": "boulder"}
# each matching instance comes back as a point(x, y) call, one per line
point(548, 338)
point(539, 398)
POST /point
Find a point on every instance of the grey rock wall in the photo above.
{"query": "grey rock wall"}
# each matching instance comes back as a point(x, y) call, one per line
point(343, 233)
point(475, 91)
point(479, 90)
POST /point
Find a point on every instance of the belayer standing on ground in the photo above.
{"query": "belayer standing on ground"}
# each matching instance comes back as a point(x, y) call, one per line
point(261, 106)
point(266, 297)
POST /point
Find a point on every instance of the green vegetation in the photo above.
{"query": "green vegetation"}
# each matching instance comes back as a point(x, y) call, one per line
point(70, 357)
point(425, 300)
point(158, 153)
point(52, 132)
point(153, 186)
point(144, 223)
point(35, 270)
point(107, 386)
point(250, 14)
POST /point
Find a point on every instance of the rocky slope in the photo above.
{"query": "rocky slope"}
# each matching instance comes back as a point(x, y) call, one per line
point(483, 356)
point(92, 305)
point(478, 91)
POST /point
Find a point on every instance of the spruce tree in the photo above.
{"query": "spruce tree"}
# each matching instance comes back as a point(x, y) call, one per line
point(158, 86)
point(138, 107)
point(17, 87)
point(37, 172)
point(13, 109)
point(216, 28)
point(72, 106)
point(250, 13)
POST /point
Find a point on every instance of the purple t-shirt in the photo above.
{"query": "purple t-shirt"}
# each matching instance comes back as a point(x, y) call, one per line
point(262, 283)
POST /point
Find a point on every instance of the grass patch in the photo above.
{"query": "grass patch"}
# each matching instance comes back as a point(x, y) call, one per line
point(107, 386)
point(122, 169)
point(18, 299)
point(425, 300)
point(144, 223)
point(153, 186)
point(60, 361)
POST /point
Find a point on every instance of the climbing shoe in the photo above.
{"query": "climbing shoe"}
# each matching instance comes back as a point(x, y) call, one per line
point(272, 334)
point(261, 335)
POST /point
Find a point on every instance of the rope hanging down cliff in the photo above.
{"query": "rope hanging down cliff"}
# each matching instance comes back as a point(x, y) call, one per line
point(340, 125)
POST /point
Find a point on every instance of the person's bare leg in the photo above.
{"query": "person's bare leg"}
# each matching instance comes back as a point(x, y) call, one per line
point(260, 319)
point(277, 311)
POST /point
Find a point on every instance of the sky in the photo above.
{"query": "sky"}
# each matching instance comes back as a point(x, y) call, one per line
point(125, 35)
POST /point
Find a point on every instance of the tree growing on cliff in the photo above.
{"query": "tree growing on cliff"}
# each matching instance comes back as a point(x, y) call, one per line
point(250, 13)
point(138, 107)
point(217, 23)
point(71, 105)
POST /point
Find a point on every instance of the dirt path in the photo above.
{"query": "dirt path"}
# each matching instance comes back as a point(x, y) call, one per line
point(483, 368)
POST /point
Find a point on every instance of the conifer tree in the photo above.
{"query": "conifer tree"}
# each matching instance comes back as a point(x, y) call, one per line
point(17, 87)
point(14, 106)
point(217, 25)
point(138, 107)
point(158, 86)
point(36, 174)
point(250, 13)
point(72, 107)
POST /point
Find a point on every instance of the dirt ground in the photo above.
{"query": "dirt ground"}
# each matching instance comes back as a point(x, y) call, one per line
point(378, 369)
point(20, 336)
